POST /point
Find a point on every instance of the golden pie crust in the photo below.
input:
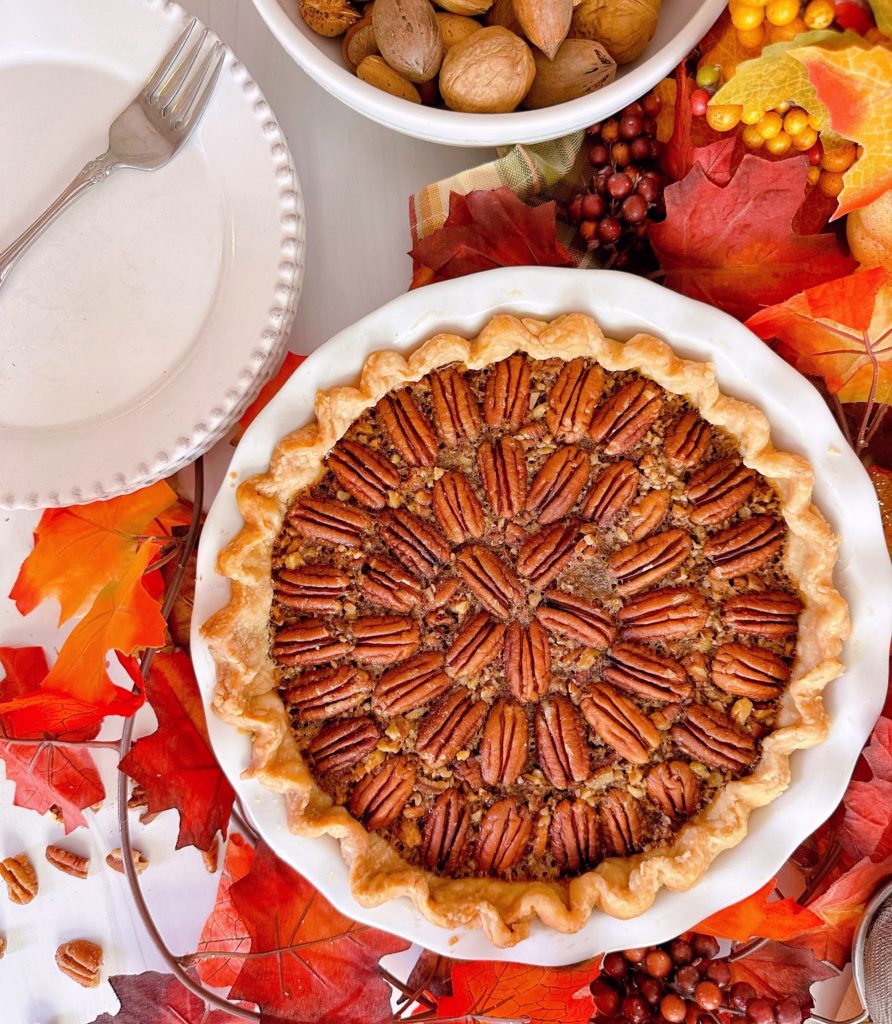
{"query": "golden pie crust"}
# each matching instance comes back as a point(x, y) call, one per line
point(247, 693)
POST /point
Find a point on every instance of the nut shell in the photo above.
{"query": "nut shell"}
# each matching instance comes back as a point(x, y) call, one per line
point(408, 37)
point(579, 67)
point(329, 18)
point(489, 73)
point(545, 22)
point(625, 27)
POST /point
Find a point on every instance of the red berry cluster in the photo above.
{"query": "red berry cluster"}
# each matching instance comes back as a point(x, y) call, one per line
point(680, 982)
point(625, 190)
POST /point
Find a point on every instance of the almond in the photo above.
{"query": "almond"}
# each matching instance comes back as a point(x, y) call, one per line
point(455, 28)
point(408, 36)
point(377, 72)
point(489, 73)
point(579, 67)
point(471, 7)
point(328, 17)
point(545, 22)
point(359, 43)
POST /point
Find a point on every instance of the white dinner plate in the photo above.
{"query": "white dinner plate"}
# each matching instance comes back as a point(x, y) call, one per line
point(139, 326)
point(801, 422)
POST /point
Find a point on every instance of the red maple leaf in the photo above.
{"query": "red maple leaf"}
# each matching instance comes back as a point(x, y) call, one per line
point(223, 931)
point(778, 971)
point(46, 775)
point(307, 962)
point(760, 915)
point(153, 998)
point(484, 988)
point(175, 764)
point(486, 229)
point(734, 246)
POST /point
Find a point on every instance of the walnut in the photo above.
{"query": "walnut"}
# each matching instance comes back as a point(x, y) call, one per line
point(625, 27)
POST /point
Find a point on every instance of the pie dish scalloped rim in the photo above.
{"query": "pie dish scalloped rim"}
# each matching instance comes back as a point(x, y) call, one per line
point(843, 492)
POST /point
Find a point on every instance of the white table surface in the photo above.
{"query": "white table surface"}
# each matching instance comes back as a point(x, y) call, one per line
point(356, 178)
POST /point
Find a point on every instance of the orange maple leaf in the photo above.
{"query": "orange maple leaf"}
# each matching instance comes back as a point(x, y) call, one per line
point(840, 331)
point(125, 618)
point(759, 915)
point(854, 84)
point(79, 550)
point(266, 394)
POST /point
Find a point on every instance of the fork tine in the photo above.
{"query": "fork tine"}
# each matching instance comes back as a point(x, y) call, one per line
point(201, 96)
point(171, 88)
point(168, 60)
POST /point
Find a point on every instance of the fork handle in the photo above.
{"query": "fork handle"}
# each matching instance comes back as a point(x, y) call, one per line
point(91, 174)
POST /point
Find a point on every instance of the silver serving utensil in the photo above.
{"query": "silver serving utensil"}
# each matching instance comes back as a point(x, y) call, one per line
point(148, 133)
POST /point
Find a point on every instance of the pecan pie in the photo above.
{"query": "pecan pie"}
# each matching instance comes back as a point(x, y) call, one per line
point(530, 622)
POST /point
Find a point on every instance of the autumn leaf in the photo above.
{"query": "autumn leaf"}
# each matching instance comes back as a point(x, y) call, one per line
point(854, 84)
point(77, 690)
point(486, 229)
point(867, 823)
point(153, 998)
point(79, 550)
point(46, 776)
point(722, 45)
point(778, 971)
point(266, 394)
point(542, 994)
point(175, 764)
point(882, 11)
point(840, 331)
point(307, 960)
point(432, 973)
point(760, 915)
point(223, 931)
point(734, 247)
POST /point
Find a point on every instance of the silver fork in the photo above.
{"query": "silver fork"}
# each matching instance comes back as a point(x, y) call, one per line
point(146, 134)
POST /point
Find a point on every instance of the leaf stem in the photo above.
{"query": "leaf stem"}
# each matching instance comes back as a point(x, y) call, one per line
point(877, 423)
point(48, 741)
point(842, 418)
point(872, 394)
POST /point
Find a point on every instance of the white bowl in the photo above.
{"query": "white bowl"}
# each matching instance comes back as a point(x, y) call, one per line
point(801, 422)
point(683, 23)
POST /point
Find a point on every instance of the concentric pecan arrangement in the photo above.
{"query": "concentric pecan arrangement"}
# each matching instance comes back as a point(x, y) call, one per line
point(533, 616)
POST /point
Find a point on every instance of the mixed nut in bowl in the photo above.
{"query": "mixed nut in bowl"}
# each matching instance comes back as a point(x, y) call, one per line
point(488, 72)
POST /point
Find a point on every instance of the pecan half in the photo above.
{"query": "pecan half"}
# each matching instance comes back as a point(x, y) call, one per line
point(80, 960)
point(745, 546)
point(749, 671)
point(718, 490)
point(408, 428)
point(444, 838)
point(20, 877)
point(626, 416)
point(507, 399)
point(771, 614)
point(414, 684)
point(674, 788)
point(527, 660)
point(328, 692)
point(611, 493)
point(504, 747)
point(342, 743)
point(418, 544)
point(576, 618)
point(622, 822)
point(641, 671)
point(493, 583)
point(455, 408)
point(67, 861)
point(449, 726)
point(573, 836)
point(363, 473)
point(504, 834)
point(710, 736)
point(441, 593)
point(457, 507)
point(544, 554)
point(573, 399)
point(385, 639)
point(620, 723)
point(648, 514)
point(476, 644)
point(560, 742)
point(115, 860)
point(330, 522)
point(307, 642)
point(311, 588)
point(385, 582)
point(638, 566)
point(668, 613)
point(503, 475)
point(686, 441)
point(379, 797)
point(558, 484)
